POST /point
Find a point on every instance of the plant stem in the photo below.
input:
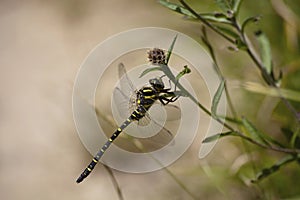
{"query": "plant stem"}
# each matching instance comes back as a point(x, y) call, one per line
point(274, 148)
point(115, 182)
point(206, 22)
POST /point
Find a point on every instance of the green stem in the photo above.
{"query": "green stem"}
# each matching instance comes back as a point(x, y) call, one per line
point(274, 148)
point(214, 28)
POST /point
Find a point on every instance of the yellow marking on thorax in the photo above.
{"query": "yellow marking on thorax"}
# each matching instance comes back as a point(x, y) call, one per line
point(147, 90)
point(149, 97)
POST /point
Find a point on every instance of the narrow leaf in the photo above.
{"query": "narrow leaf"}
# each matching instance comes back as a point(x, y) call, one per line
point(176, 8)
point(248, 21)
point(236, 5)
point(188, 15)
point(255, 134)
point(228, 31)
point(224, 5)
point(217, 136)
point(216, 17)
point(240, 44)
point(217, 98)
point(274, 168)
point(146, 71)
point(295, 137)
point(270, 91)
point(170, 50)
point(230, 119)
point(212, 17)
point(265, 51)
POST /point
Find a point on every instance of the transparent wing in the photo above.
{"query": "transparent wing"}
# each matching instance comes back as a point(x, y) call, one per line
point(126, 84)
point(173, 111)
point(150, 129)
point(123, 95)
point(122, 104)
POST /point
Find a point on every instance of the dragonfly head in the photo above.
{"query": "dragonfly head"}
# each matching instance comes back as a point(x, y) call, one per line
point(157, 83)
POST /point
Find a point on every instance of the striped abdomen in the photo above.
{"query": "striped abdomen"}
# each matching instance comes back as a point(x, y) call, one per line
point(100, 153)
point(145, 99)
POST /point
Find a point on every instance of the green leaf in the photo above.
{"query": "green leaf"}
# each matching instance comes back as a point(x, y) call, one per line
point(265, 51)
point(217, 98)
point(230, 119)
point(248, 21)
point(236, 5)
point(295, 137)
point(254, 133)
point(215, 17)
point(170, 50)
point(228, 31)
point(208, 16)
point(176, 8)
point(217, 136)
point(224, 5)
point(270, 91)
point(274, 168)
point(186, 70)
point(146, 71)
point(278, 78)
point(240, 44)
point(292, 136)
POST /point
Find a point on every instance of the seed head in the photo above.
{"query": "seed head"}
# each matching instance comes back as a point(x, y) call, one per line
point(157, 56)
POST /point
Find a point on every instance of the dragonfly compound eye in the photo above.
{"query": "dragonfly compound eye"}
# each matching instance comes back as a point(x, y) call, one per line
point(157, 56)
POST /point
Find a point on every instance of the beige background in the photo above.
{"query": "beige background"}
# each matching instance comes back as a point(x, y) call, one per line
point(42, 44)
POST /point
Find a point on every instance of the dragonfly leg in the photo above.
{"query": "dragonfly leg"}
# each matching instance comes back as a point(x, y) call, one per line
point(165, 100)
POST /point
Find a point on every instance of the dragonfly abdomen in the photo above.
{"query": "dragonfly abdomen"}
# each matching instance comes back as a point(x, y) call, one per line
point(100, 153)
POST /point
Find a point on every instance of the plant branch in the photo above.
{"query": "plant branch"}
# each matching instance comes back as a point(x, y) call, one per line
point(274, 148)
point(270, 81)
point(210, 25)
point(115, 182)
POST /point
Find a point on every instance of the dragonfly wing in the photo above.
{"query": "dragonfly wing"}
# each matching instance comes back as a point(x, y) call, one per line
point(121, 103)
point(126, 84)
point(162, 138)
point(151, 131)
point(173, 112)
point(124, 94)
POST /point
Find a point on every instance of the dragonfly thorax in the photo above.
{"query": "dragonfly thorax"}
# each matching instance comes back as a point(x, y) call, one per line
point(157, 83)
point(146, 96)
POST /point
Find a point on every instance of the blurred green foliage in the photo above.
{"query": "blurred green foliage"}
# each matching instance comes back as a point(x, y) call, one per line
point(270, 41)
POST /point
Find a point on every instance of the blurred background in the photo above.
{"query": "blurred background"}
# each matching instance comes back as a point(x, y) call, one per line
point(42, 45)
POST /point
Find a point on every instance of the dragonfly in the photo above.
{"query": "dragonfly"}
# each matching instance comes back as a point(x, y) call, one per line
point(145, 97)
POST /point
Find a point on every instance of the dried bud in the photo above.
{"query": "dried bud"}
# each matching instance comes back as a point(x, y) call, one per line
point(157, 56)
